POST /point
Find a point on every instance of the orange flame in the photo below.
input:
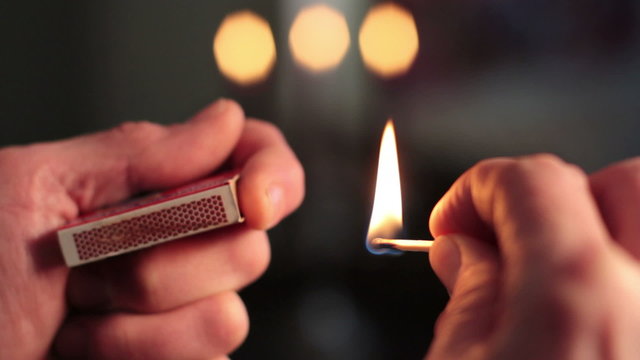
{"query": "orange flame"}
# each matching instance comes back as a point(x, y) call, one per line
point(386, 216)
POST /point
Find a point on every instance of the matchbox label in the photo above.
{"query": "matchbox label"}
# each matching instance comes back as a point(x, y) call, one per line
point(145, 222)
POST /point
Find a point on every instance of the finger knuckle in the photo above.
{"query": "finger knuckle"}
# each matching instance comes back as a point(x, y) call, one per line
point(545, 158)
point(536, 173)
point(250, 265)
point(486, 169)
point(265, 128)
point(546, 162)
point(568, 294)
point(12, 159)
point(478, 290)
point(578, 268)
point(233, 107)
point(510, 174)
point(142, 284)
point(110, 331)
point(566, 310)
point(228, 327)
point(632, 165)
point(33, 174)
point(9, 156)
point(531, 167)
point(627, 176)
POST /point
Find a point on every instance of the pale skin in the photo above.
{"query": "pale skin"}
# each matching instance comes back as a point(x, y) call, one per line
point(542, 261)
point(175, 301)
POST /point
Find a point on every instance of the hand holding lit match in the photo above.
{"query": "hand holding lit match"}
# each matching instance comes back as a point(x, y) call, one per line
point(535, 267)
point(176, 300)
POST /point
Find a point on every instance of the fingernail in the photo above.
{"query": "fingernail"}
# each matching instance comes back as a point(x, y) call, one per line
point(447, 260)
point(275, 195)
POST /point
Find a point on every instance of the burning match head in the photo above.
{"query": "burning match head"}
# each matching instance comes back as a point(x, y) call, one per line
point(380, 246)
point(381, 243)
point(396, 245)
point(386, 215)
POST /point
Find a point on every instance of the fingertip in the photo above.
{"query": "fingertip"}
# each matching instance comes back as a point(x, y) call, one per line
point(270, 189)
point(274, 197)
point(285, 193)
point(227, 309)
point(272, 179)
point(435, 218)
point(261, 201)
point(248, 266)
point(220, 125)
point(254, 200)
point(221, 108)
point(445, 260)
point(193, 149)
point(455, 212)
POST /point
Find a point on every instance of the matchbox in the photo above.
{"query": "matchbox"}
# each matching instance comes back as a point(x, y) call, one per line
point(187, 210)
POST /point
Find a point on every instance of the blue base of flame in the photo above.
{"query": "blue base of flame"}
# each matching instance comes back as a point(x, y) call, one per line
point(377, 250)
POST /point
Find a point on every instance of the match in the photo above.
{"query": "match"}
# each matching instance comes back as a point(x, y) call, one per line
point(402, 244)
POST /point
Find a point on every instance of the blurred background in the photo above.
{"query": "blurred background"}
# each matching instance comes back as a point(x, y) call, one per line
point(464, 80)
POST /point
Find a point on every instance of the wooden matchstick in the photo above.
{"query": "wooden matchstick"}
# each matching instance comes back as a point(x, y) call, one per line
point(402, 244)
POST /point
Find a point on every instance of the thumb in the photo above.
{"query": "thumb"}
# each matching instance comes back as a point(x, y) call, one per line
point(469, 269)
point(106, 167)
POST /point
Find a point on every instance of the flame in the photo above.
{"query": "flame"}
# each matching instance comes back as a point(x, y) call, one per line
point(319, 38)
point(386, 216)
point(388, 40)
point(244, 48)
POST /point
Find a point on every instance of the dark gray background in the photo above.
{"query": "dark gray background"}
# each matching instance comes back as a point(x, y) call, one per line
point(492, 78)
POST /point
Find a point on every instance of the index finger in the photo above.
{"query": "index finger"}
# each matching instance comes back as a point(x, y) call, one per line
point(272, 179)
point(539, 209)
point(107, 167)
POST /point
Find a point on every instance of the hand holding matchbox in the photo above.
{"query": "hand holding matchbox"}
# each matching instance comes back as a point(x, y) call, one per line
point(122, 307)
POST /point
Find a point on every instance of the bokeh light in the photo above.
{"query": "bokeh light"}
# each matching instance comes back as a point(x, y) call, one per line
point(388, 40)
point(319, 38)
point(244, 48)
